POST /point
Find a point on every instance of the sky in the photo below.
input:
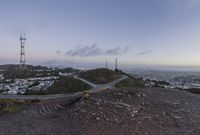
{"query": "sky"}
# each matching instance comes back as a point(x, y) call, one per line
point(84, 33)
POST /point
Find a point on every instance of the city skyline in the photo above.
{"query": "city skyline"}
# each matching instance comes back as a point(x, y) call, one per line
point(156, 33)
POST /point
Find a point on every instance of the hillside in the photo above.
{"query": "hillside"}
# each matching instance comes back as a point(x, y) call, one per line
point(31, 67)
point(100, 76)
point(130, 82)
point(63, 86)
point(113, 112)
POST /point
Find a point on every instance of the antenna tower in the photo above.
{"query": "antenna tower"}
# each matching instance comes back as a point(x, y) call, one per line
point(22, 40)
point(106, 63)
point(116, 65)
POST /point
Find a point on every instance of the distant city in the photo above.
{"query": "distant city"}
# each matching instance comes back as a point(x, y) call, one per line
point(17, 81)
point(169, 78)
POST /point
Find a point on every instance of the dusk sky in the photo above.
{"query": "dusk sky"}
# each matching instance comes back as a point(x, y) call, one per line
point(86, 32)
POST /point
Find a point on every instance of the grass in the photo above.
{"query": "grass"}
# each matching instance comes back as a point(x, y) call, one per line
point(130, 82)
point(10, 109)
point(63, 86)
point(12, 105)
point(18, 101)
point(100, 76)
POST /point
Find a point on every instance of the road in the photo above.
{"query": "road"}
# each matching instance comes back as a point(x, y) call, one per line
point(96, 87)
point(41, 97)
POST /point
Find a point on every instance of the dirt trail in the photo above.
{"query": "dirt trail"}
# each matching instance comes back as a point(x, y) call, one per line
point(130, 111)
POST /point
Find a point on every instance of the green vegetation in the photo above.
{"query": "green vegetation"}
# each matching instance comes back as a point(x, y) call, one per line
point(130, 82)
point(100, 76)
point(13, 71)
point(30, 67)
point(195, 90)
point(62, 86)
point(69, 70)
point(17, 101)
point(10, 109)
point(36, 83)
point(160, 83)
point(12, 105)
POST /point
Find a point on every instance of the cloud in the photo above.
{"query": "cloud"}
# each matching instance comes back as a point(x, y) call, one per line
point(113, 51)
point(94, 50)
point(144, 53)
point(84, 51)
point(117, 51)
point(58, 52)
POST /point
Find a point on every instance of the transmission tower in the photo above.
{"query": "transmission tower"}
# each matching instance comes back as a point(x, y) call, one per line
point(22, 40)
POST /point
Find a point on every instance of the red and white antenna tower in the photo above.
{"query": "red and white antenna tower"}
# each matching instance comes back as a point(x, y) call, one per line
point(22, 40)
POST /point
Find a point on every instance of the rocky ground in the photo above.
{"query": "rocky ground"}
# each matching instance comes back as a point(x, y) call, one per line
point(128, 111)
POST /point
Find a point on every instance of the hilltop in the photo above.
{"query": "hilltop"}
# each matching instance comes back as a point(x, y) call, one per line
point(100, 76)
point(125, 111)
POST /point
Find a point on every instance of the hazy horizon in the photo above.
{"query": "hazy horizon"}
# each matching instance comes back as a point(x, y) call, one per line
point(140, 33)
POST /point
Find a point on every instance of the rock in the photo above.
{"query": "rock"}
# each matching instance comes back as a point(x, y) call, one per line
point(140, 94)
point(164, 113)
point(98, 103)
point(107, 119)
point(115, 119)
point(132, 115)
point(86, 95)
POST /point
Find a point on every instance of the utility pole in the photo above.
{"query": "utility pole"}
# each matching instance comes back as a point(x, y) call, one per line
point(22, 40)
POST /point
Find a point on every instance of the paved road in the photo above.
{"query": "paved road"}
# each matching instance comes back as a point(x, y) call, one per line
point(85, 81)
point(41, 97)
point(95, 87)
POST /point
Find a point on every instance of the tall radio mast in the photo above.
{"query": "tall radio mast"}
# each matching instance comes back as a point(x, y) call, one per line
point(106, 64)
point(22, 40)
point(116, 64)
